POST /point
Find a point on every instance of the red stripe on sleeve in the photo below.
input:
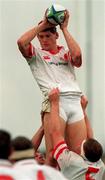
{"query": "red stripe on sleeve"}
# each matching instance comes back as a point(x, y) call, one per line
point(60, 151)
point(62, 142)
point(31, 51)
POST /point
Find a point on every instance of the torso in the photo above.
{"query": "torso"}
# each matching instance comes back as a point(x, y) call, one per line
point(54, 70)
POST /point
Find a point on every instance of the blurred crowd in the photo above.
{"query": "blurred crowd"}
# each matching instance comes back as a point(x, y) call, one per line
point(19, 160)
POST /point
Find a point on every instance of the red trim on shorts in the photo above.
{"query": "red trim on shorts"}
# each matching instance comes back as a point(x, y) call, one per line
point(60, 151)
point(89, 171)
point(40, 175)
point(55, 148)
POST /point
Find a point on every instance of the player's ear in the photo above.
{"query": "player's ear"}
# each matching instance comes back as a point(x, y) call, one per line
point(57, 35)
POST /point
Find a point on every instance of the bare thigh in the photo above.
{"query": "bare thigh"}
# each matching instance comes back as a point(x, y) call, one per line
point(75, 133)
point(48, 141)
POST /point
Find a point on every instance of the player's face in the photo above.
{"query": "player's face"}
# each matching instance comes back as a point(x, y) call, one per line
point(47, 40)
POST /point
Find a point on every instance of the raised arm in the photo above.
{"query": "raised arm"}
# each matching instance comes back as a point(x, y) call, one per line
point(25, 40)
point(73, 47)
point(54, 122)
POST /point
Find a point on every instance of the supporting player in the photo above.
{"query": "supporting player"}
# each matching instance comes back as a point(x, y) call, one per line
point(88, 165)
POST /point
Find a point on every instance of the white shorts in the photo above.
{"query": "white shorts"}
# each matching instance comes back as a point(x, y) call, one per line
point(69, 107)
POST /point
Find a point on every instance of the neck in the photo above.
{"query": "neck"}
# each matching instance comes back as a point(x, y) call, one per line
point(54, 50)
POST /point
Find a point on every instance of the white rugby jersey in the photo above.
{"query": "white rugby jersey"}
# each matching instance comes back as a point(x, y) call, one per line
point(33, 171)
point(74, 167)
point(7, 171)
point(53, 70)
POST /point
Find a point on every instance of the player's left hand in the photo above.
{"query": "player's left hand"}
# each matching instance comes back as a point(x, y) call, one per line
point(66, 20)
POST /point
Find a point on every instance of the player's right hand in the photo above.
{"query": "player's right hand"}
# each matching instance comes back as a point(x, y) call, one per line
point(46, 22)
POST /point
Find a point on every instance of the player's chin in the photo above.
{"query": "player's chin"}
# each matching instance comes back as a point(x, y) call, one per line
point(46, 48)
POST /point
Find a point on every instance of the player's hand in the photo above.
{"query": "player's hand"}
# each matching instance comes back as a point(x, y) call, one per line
point(54, 95)
point(45, 23)
point(66, 20)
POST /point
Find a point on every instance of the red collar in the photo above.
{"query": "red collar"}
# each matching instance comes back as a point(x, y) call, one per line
point(53, 51)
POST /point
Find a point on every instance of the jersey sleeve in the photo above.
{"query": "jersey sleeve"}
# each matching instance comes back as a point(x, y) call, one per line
point(70, 58)
point(63, 155)
point(74, 62)
point(67, 55)
point(30, 53)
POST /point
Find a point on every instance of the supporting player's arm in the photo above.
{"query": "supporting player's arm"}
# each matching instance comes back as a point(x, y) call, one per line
point(84, 103)
point(54, 122)
point(60, 150)
point(75, 51)
point(37, 138)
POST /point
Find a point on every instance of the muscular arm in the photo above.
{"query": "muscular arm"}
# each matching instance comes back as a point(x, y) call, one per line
point(88, 126)
point(24, 41)
point(54, 122)
point(74, 48)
